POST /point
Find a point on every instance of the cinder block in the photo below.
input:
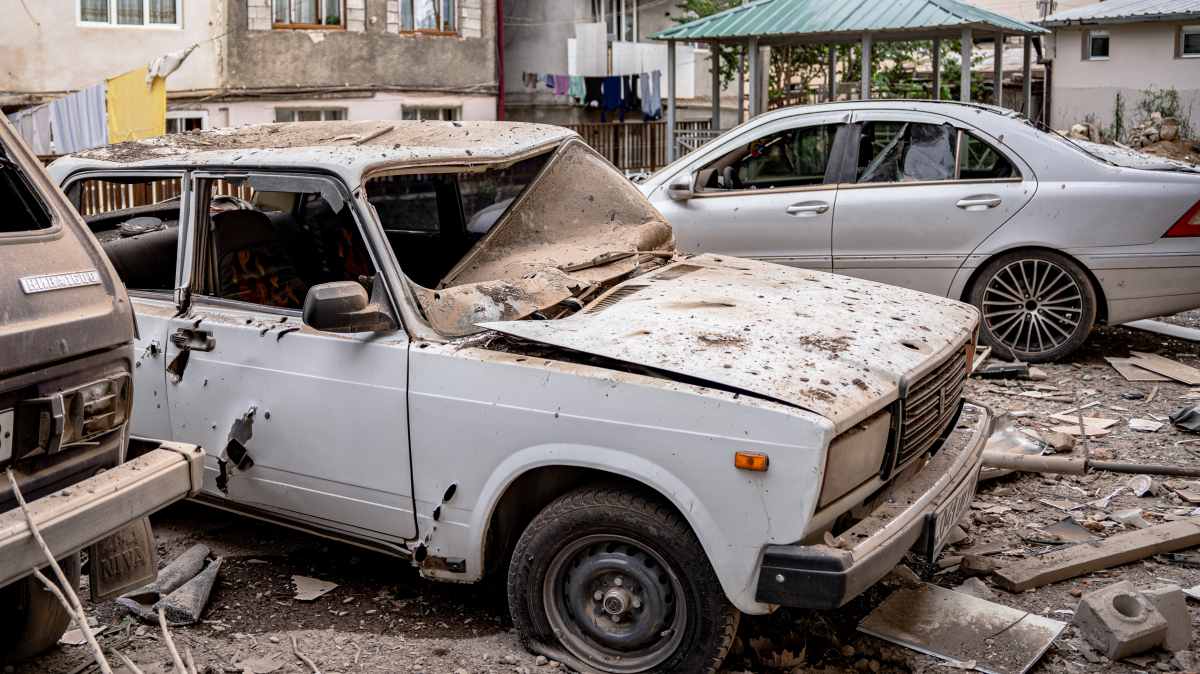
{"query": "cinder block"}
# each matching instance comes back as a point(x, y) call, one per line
point(1169, 601)
point(1119, 621)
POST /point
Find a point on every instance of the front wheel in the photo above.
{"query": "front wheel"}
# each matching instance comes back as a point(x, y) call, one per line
point(31, 619)
point(613, 579)
point(1037, 305)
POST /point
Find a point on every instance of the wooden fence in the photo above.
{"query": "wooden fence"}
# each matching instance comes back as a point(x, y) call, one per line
point(634, 146)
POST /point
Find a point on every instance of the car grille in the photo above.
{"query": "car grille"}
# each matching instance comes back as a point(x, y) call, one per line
point(930, 406)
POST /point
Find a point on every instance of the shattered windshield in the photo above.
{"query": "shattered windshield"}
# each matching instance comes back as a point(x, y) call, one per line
point(529, 240)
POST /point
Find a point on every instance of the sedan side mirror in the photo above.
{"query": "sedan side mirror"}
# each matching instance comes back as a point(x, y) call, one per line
point(343, 306)
point(681, 190)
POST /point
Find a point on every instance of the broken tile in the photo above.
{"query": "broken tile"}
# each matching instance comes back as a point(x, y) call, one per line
point(308, 589)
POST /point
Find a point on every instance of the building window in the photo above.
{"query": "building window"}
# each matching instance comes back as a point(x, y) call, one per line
point(429, 16)
point(434, 114)
point(619, 18)
point(1097, 45)
point(153, 13)
point(307, 14)
point(182, 121)
point(1189, 42)
point(309, 114)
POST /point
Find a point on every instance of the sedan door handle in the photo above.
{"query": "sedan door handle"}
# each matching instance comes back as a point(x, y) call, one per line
point(979, 202)
point(807, 209)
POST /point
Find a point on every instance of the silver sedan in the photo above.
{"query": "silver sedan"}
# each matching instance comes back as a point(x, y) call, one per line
point(1045, 235)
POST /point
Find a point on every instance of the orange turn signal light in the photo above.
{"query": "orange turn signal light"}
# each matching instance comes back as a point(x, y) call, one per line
point(747, 461)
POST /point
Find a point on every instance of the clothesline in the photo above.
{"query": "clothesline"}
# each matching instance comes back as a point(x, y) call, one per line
point(635, 92)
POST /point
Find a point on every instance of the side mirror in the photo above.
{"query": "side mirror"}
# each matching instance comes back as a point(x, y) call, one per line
point(681, 190)
point(343, 306)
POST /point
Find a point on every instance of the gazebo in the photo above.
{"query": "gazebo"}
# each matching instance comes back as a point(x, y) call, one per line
point(764, 23)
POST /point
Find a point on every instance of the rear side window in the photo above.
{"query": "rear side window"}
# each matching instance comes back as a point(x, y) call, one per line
point(23, 211)
point(914, 152)
point(979, 161)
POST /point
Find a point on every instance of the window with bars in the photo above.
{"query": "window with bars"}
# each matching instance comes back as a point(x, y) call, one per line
point(153, 13)
point(308, 14)
point(429, 16)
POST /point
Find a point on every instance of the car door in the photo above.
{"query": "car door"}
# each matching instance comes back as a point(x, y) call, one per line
point(767, 193)
point(135, 216)
point(925, 193)
point(300, 423)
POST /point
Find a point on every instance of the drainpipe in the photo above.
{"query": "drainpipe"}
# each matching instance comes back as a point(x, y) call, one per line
point(500, 57)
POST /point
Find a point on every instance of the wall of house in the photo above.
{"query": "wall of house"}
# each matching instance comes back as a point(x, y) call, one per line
point(47, 50)
point(370, 51)
point(362, 106)
point(1141, 56)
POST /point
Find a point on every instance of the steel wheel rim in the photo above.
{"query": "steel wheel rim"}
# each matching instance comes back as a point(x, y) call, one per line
point(1032, 307)
point(647, 632)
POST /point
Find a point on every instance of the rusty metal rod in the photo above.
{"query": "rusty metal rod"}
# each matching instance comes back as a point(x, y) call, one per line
point(1066, 466)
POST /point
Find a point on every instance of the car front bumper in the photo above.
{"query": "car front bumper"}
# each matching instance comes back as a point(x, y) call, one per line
point(88, 511)
point(918, 516)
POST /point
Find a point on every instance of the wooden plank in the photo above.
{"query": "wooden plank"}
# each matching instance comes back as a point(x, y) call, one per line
point(981, 357)
point(1133, 372)
point(1173, 369)
point(1088, 557)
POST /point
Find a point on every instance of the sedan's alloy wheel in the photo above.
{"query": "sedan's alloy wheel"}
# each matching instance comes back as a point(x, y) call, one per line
point(1033, 306)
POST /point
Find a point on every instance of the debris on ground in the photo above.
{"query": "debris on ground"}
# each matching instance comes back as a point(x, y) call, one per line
point(962, 629)
point(308, 589)
point(1119, 621)
point(181, 589)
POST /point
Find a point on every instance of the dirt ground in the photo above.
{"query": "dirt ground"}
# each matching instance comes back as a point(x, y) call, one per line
point(384, 617)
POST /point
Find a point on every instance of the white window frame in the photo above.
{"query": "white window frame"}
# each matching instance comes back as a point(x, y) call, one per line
point(1184, 31)
point(439, 108)
point(309, 108)
point(112, 17)
point(1103, 32)
point(202, 115)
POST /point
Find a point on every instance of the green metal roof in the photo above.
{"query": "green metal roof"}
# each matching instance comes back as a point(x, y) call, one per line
point(799, 21)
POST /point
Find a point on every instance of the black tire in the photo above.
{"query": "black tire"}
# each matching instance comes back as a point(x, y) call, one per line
point(31, 619)
point(1037, 305)
point(676, 617)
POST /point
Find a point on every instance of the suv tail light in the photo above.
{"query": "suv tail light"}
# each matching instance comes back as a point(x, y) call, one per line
point(1188, 225)
point(47, 425)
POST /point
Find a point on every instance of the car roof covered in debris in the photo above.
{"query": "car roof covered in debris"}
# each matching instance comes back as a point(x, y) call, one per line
point(350, 148)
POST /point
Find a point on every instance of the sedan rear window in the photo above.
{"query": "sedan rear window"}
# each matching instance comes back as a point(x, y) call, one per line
point(916, 152)
point(24, 212)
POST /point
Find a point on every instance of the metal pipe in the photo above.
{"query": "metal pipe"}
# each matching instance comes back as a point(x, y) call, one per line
point(965, 94)
point(500, 58)
point(832, 72)
point(741, 81)
point(937, 69)
point(671, 117)
point(1067, 466)
point(715, 58)
point(998, 71)
point(754, 56)
point(1027, 77)
point(865, 90)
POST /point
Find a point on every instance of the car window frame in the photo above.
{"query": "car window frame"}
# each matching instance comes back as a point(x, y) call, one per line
point(349, 200)
point(710, 152)
point(184, 214)
point(861, 118)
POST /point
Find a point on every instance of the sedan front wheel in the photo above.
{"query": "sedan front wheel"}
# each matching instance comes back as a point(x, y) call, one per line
point(1037, 305)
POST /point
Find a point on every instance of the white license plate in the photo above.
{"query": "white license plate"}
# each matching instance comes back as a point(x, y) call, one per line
point(6, 434)
point(952, 510)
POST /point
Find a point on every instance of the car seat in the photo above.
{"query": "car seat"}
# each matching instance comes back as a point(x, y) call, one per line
point(252, 266)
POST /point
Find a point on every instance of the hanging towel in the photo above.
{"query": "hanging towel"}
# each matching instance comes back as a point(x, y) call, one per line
point(645, 97)
point(135, 112)
point(165, 65)
point(632, 99)
point(593, 88)
point(550, 81)
point(539, 78)
point(576, 91)
point(80, 121)
point(612, 98)
point(562, 85)
point(656, 108)
point(34, 126)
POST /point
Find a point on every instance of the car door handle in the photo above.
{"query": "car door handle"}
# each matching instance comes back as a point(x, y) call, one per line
point(979, 202)
point(191, 339)
point(807, 209)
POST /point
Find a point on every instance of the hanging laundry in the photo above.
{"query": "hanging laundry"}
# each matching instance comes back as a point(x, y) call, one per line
point(593, 91)
point(612, 98)
point(632, 100)
point(80, 121)
point(529, 79)
point(651, 96)
point(576, 92)
point(562, 85)
point(165, 65)
point(550, 79)
point(34, 126)
point(541, 78)
point(134, 112)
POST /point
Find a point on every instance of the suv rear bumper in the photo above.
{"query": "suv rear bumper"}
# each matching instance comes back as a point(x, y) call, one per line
point(917, 517)
point(75, 517)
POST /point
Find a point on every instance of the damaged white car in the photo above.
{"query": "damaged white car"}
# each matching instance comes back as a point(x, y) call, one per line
point(473, 345)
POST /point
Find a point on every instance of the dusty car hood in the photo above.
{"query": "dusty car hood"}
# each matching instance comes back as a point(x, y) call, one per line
point(830, 344)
